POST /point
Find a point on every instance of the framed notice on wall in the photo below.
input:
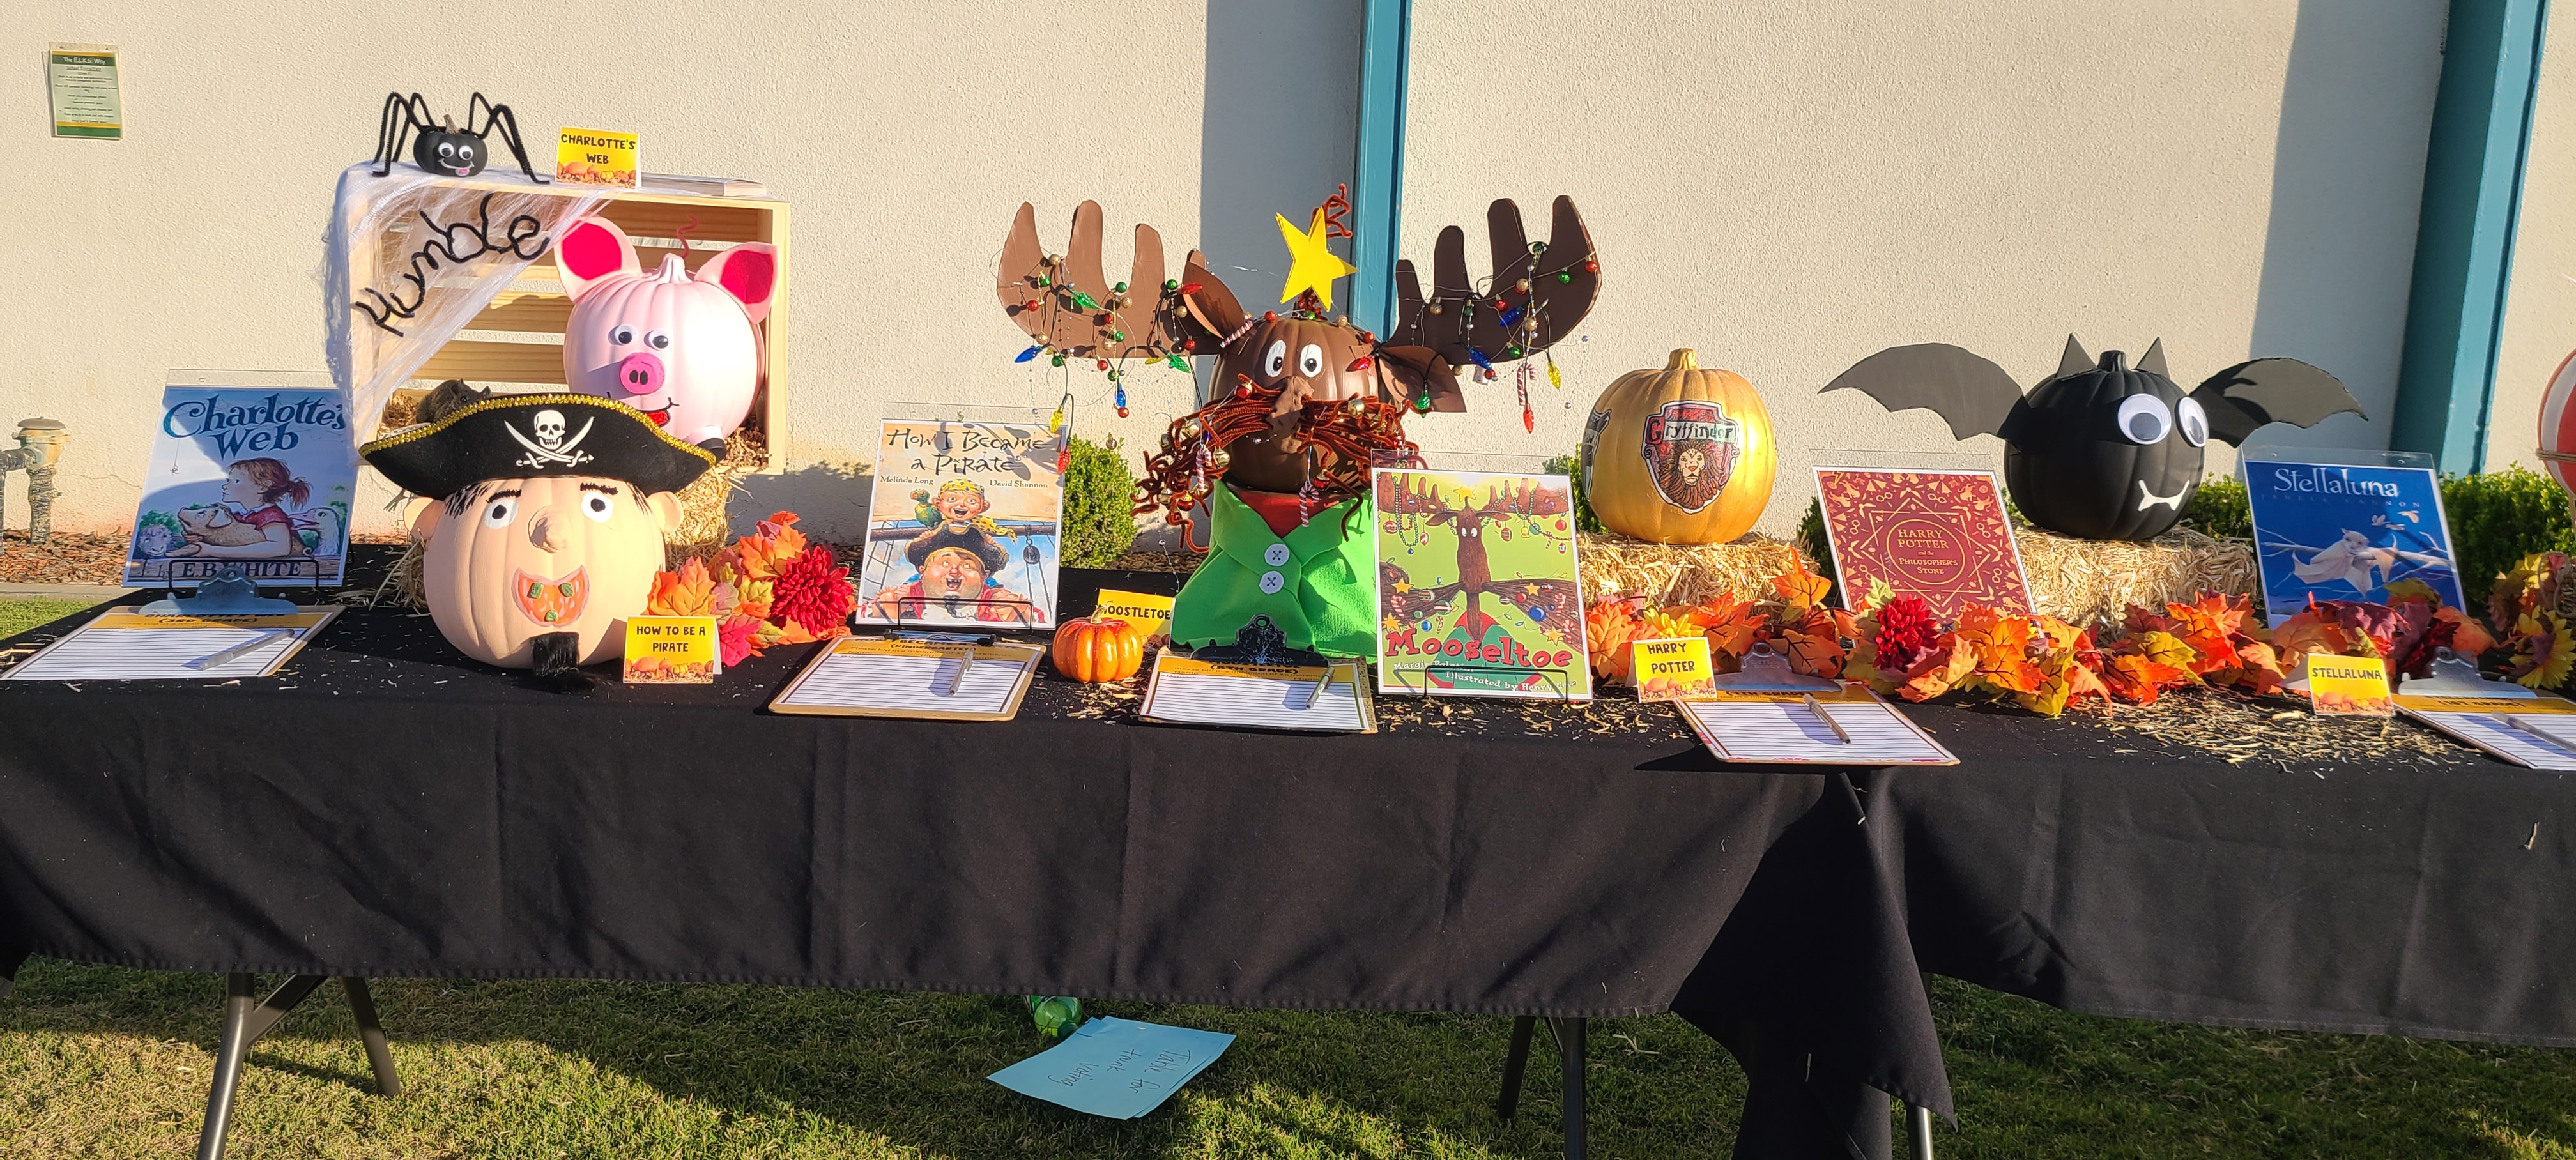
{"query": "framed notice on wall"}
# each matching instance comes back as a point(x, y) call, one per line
point(85, 97)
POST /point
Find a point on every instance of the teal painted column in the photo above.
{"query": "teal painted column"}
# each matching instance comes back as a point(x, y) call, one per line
point(2464, 243)
point(1377, 181)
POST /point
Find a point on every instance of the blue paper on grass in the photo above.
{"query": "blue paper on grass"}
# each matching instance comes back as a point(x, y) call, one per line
point(1117, 1068)
point(2337, 532)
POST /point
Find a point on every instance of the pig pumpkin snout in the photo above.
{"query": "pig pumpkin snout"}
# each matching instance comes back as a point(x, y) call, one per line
point(641, 373)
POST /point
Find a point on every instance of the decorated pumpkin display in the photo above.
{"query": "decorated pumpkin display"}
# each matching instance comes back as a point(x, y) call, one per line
point(1679, 455)
point(542, 519)
point(1099, 650)
point(2099, 450)
point(2558, 424)
point(680, 348)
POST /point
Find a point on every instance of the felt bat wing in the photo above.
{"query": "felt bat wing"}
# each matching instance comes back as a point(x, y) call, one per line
point(1967, 389)
point(2270, 390)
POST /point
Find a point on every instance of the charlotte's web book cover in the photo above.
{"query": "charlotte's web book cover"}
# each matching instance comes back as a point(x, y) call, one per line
point(250, 478)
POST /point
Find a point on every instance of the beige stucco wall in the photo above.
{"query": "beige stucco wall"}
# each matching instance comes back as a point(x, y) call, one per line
point(2540, 298)
point(1786, 187)
point(1791, 187)
point(904, 135)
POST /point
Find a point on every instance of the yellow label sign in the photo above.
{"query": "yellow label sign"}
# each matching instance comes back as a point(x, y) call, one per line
point(1668, 670)
point(596, 157)
point(2348, 686)
point(671, 650)
point(1152, 615)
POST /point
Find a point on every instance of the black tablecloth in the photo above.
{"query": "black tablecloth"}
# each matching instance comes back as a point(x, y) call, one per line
point(386, 808)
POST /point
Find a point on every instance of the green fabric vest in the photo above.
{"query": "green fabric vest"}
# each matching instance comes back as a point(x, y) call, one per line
point(1323, 598)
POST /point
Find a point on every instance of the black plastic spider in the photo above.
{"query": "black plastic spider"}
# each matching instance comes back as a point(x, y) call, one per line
point(443, 148)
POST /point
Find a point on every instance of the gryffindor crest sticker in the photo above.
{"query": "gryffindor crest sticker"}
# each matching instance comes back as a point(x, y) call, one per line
point(1690, 449)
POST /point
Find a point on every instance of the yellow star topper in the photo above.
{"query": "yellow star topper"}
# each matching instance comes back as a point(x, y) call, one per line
point(1312, 264)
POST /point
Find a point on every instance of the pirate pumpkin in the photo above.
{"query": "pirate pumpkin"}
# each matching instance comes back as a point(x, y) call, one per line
point(2099, 450)
point(542, 518)
point(1278, 461)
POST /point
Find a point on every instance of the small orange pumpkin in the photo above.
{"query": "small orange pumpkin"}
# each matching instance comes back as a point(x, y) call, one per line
point(1099, 650)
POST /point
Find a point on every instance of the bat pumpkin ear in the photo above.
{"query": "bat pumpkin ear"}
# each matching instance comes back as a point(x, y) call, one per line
point(2075, 361)
point(422, 514)
point(1211, 305)
point(666, 509)
point(749, 272)
point(592, 248)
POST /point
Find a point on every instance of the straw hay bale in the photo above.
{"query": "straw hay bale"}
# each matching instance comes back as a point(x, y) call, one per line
point(2085, 582)
point(1666, 574)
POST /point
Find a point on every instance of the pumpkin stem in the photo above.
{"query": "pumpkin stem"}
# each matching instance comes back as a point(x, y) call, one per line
point(2113, 360)
point(1684, 359)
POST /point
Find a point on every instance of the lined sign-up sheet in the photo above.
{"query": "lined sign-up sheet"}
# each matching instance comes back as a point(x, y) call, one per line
point(1306, 698)
point(1848, 726)
point(125, 645)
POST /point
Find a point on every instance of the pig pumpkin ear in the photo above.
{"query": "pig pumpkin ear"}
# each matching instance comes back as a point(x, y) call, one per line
point(749, 272)
point(593, 248)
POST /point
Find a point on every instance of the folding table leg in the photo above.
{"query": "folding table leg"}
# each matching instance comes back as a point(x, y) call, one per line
point(1918, 1121)
point(1515, 1063)
point(1569, 1044)
point(229, 1051)
point(380, 1055)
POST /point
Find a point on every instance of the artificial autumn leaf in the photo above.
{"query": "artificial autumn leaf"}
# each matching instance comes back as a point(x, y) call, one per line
point(752, 598)
point(2258, 668)
point(1880, 592)
point(1814, 654)
point(1861, 664)
point(688, 592)
point(2136, 678)
point(2410, 590)
point(2168, 651)
point(1730, 625)
point(2139, 620)
point(1799, 588)
point(2061, 636)
point(2001, 642)
point(1608, 627)
point(763, 555)
point(2313, 630)
point(2200, 630)
point(1941, 668)
point(2064, 681)
point(2528, 586)
point(2234, 613)
point(2469, 639)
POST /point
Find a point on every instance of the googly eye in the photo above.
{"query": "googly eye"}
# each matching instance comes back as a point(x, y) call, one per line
point(621, 335)
point(2194, 422)
point(497, 513)
point(2145, 420)
point(1310, 361)
point(658, 340)
point(597, 506)
point(1276, 360)
point(465, 153)
point(447, 150)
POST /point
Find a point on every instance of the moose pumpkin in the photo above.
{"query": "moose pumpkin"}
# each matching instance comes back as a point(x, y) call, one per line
point(542, 518)
point(1679, 455)
point(1278, 461)
point(1099, 650)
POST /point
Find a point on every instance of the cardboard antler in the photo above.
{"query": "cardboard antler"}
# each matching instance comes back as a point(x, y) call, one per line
point(1544, 291)
point(1070, 307)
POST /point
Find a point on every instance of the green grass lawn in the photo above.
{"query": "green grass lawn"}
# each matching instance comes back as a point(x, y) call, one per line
point(106, 1062)
point(99, 1061)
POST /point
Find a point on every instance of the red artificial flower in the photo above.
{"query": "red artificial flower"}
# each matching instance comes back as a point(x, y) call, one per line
point(1905, 629)
point(812, 593)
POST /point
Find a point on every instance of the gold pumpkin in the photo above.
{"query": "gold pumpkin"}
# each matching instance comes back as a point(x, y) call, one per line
point(1679, 455)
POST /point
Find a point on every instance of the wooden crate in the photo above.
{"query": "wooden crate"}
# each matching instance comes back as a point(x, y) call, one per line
point(533, 310)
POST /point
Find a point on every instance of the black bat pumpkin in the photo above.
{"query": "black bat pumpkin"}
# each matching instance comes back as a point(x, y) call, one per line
point(2099, 451)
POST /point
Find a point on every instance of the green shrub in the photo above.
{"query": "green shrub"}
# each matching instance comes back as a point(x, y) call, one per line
point(1812, 540)
point(1099, 505)
point(2220, 509)
point(2498, 518)
point(1570, 465)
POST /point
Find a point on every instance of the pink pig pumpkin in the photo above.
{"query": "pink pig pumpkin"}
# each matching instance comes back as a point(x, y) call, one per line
point(683, 350)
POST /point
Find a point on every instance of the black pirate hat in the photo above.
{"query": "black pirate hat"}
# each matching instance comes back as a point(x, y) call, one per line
point(530, 436)
point(973, 541)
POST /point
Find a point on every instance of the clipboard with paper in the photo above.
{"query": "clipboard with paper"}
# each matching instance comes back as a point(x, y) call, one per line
point(937, 679)
point(1326, 698)
point(129, 644)
point(1767, 713)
